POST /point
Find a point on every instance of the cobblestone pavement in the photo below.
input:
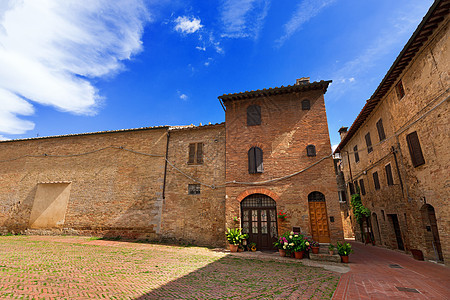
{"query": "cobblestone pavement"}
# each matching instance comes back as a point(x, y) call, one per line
point(378, 273)
point(36, 267)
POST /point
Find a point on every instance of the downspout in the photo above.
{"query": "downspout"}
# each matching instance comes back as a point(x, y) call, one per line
point(165, 165)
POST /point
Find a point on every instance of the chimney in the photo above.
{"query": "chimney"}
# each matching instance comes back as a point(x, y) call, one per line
point(303, 80)
point(343, 132)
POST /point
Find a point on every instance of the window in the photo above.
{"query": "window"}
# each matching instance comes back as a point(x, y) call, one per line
point(306, 105)
point(399, 89)
point(351, 188)
point(376, 180)
point(362, 187)
point(355, 150)
point(255, 160)
point(414, 149)
point(311, 150)
point(342, 197)
point(195, 153)
point(380, 129)
point(356, 186)
point(368, 143)
point(389, 178)
point(253, 115)
point(194, 189)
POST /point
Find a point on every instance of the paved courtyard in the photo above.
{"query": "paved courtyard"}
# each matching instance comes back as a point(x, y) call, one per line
point(35, 267)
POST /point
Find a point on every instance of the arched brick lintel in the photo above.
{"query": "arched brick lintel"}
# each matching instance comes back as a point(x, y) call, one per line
point(263, 191)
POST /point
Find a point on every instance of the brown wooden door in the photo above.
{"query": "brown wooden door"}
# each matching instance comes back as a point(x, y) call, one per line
point(259, 220)
point(318, 217)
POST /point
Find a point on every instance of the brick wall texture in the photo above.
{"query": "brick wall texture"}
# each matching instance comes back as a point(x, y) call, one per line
point(424, 109)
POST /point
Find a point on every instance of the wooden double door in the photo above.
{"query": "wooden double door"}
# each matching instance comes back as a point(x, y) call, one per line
point(259, 220)
point(318, 217)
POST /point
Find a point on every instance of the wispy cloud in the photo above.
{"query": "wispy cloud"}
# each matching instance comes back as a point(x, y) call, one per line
point(360, 68)
point(182, 96)
point(306, 10)
point(49, 50)
point(243, 18)
point(187, 25)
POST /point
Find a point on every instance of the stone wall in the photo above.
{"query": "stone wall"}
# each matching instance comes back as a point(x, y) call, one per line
point(198, 219)
point(112, 191)
point(283, 135)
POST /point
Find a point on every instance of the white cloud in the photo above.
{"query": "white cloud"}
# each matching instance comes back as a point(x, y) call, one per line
point(243, 18)
point(333, 147)
point(183, 97)
point(3, 138)
point(306, 10)
point(187, 24)
point(50, 49)
point(201, 48)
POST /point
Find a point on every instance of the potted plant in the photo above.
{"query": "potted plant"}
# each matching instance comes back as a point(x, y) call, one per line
point(344, 251)
point(301, 244)
point(234, 238)
point(315, 247)
point(331, 249)
point(282, 215)
point(252, 246)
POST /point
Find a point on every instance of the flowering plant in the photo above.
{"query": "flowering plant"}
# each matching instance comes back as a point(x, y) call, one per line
point(314, 244)
point(282, 215)
point(285, 242)
point(301, 243)
point(236, 219)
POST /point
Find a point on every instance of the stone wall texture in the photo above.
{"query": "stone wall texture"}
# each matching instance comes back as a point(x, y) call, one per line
point(423, 109)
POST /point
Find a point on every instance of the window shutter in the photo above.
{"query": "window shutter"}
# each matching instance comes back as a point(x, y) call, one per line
point(311, 150)
point(380, 129)
point(362, 187)
point(251, 161)
point(191, 153)
point(259, 160)
point(414, 149)
point(199, 153)
point(376, 181)
point(306, 105)
point(253, 115)
point(389, 178)
point(355, 150)
point(352, 188)
point(368, 143)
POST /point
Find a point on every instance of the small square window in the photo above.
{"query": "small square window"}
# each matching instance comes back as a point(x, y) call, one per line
point(194, 189)
point(399, 89)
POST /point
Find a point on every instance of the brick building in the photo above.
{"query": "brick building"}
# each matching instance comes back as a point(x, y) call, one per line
point(396, 151)
point(183, 183)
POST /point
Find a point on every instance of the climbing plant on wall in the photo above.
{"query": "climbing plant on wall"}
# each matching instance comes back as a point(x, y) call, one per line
point(359, 210)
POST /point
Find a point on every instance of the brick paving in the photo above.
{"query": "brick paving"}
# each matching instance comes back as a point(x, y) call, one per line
point(371, 276)
point(38, 267)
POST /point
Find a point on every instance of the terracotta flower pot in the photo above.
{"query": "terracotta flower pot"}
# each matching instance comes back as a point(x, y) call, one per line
point(299, 255)
point(315, 250)
point(282, 252)
point(344, 259)
point(331, 252)
point(234, 248)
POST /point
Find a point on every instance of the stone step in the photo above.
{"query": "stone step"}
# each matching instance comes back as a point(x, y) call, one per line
point(325, 257)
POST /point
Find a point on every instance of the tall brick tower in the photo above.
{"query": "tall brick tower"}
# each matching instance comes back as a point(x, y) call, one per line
point(278, 158)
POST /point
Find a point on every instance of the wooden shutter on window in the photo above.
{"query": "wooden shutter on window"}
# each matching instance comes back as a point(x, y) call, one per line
point(259, 160)
point(380, 129)
point(251, 161)
point(414, 149)
point(311, 150)
point(306, 105)
point(355, 150)
point(389, 178)
point(253, 115)
point(199, 153)
point(376, 181)
point(351, 188)
point(191, 153)
point(368, 143)
point(362, 187)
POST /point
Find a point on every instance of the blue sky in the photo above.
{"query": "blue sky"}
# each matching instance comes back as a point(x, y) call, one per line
point(73, 66)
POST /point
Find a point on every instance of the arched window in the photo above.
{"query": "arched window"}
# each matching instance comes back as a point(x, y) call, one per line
point(255, 160)
point(316, 197)
point(306, 105)
point(253, 115)
point(311, 150)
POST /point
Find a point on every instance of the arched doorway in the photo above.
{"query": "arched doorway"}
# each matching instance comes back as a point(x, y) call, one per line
point(431, 231)
point(318, 217)
point(259, 220)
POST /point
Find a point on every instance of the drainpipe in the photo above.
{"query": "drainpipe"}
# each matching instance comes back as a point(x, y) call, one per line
point(165, 166)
